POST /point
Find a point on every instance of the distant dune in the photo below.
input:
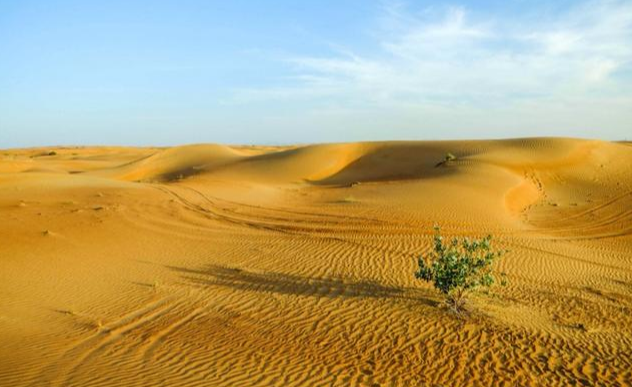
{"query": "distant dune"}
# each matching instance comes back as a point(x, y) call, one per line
point(212, 265)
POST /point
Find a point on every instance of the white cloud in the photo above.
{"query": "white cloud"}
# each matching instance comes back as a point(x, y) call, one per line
point(599, 70)
point(453, 61)
point(558, 42)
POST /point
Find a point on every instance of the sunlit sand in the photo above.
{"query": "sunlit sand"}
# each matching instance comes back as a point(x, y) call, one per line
point(212, 265)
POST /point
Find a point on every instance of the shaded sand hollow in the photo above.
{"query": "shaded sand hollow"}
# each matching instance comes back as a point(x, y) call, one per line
point(209, 265)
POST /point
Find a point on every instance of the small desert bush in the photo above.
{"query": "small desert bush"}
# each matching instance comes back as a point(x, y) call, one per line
point(459, 267)
point(447, 159)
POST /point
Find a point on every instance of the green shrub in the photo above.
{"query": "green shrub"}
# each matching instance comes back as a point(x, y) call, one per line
point(449, 158)
point(458, 267)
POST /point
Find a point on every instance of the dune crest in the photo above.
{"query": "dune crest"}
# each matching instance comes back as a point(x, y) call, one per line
point(175, 163)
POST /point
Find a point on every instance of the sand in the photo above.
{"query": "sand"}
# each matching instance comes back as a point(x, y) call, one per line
point(210, 265)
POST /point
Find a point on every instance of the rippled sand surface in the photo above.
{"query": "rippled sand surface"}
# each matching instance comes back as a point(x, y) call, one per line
point(209, 265)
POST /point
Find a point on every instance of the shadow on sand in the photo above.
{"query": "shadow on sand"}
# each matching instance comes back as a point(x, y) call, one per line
point(291, 284)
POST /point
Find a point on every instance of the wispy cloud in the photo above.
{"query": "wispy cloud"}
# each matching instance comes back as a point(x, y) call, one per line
point(455, 58)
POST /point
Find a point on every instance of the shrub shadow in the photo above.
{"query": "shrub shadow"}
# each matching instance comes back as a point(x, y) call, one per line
point(291, 284)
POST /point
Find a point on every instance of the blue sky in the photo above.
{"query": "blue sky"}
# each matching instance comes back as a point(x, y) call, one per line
point(173, 72)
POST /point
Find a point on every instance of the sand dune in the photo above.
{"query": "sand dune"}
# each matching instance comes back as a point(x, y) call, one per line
point(211, 265)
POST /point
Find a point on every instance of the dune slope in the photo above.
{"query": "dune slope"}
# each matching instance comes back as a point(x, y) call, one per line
point(209, 265)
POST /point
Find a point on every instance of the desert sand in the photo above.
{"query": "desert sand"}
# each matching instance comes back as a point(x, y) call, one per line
point(211, 265)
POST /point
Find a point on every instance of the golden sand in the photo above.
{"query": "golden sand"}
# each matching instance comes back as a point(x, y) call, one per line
point(209, 265)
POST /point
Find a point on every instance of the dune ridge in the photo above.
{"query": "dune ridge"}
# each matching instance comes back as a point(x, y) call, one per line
point(216, 265)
